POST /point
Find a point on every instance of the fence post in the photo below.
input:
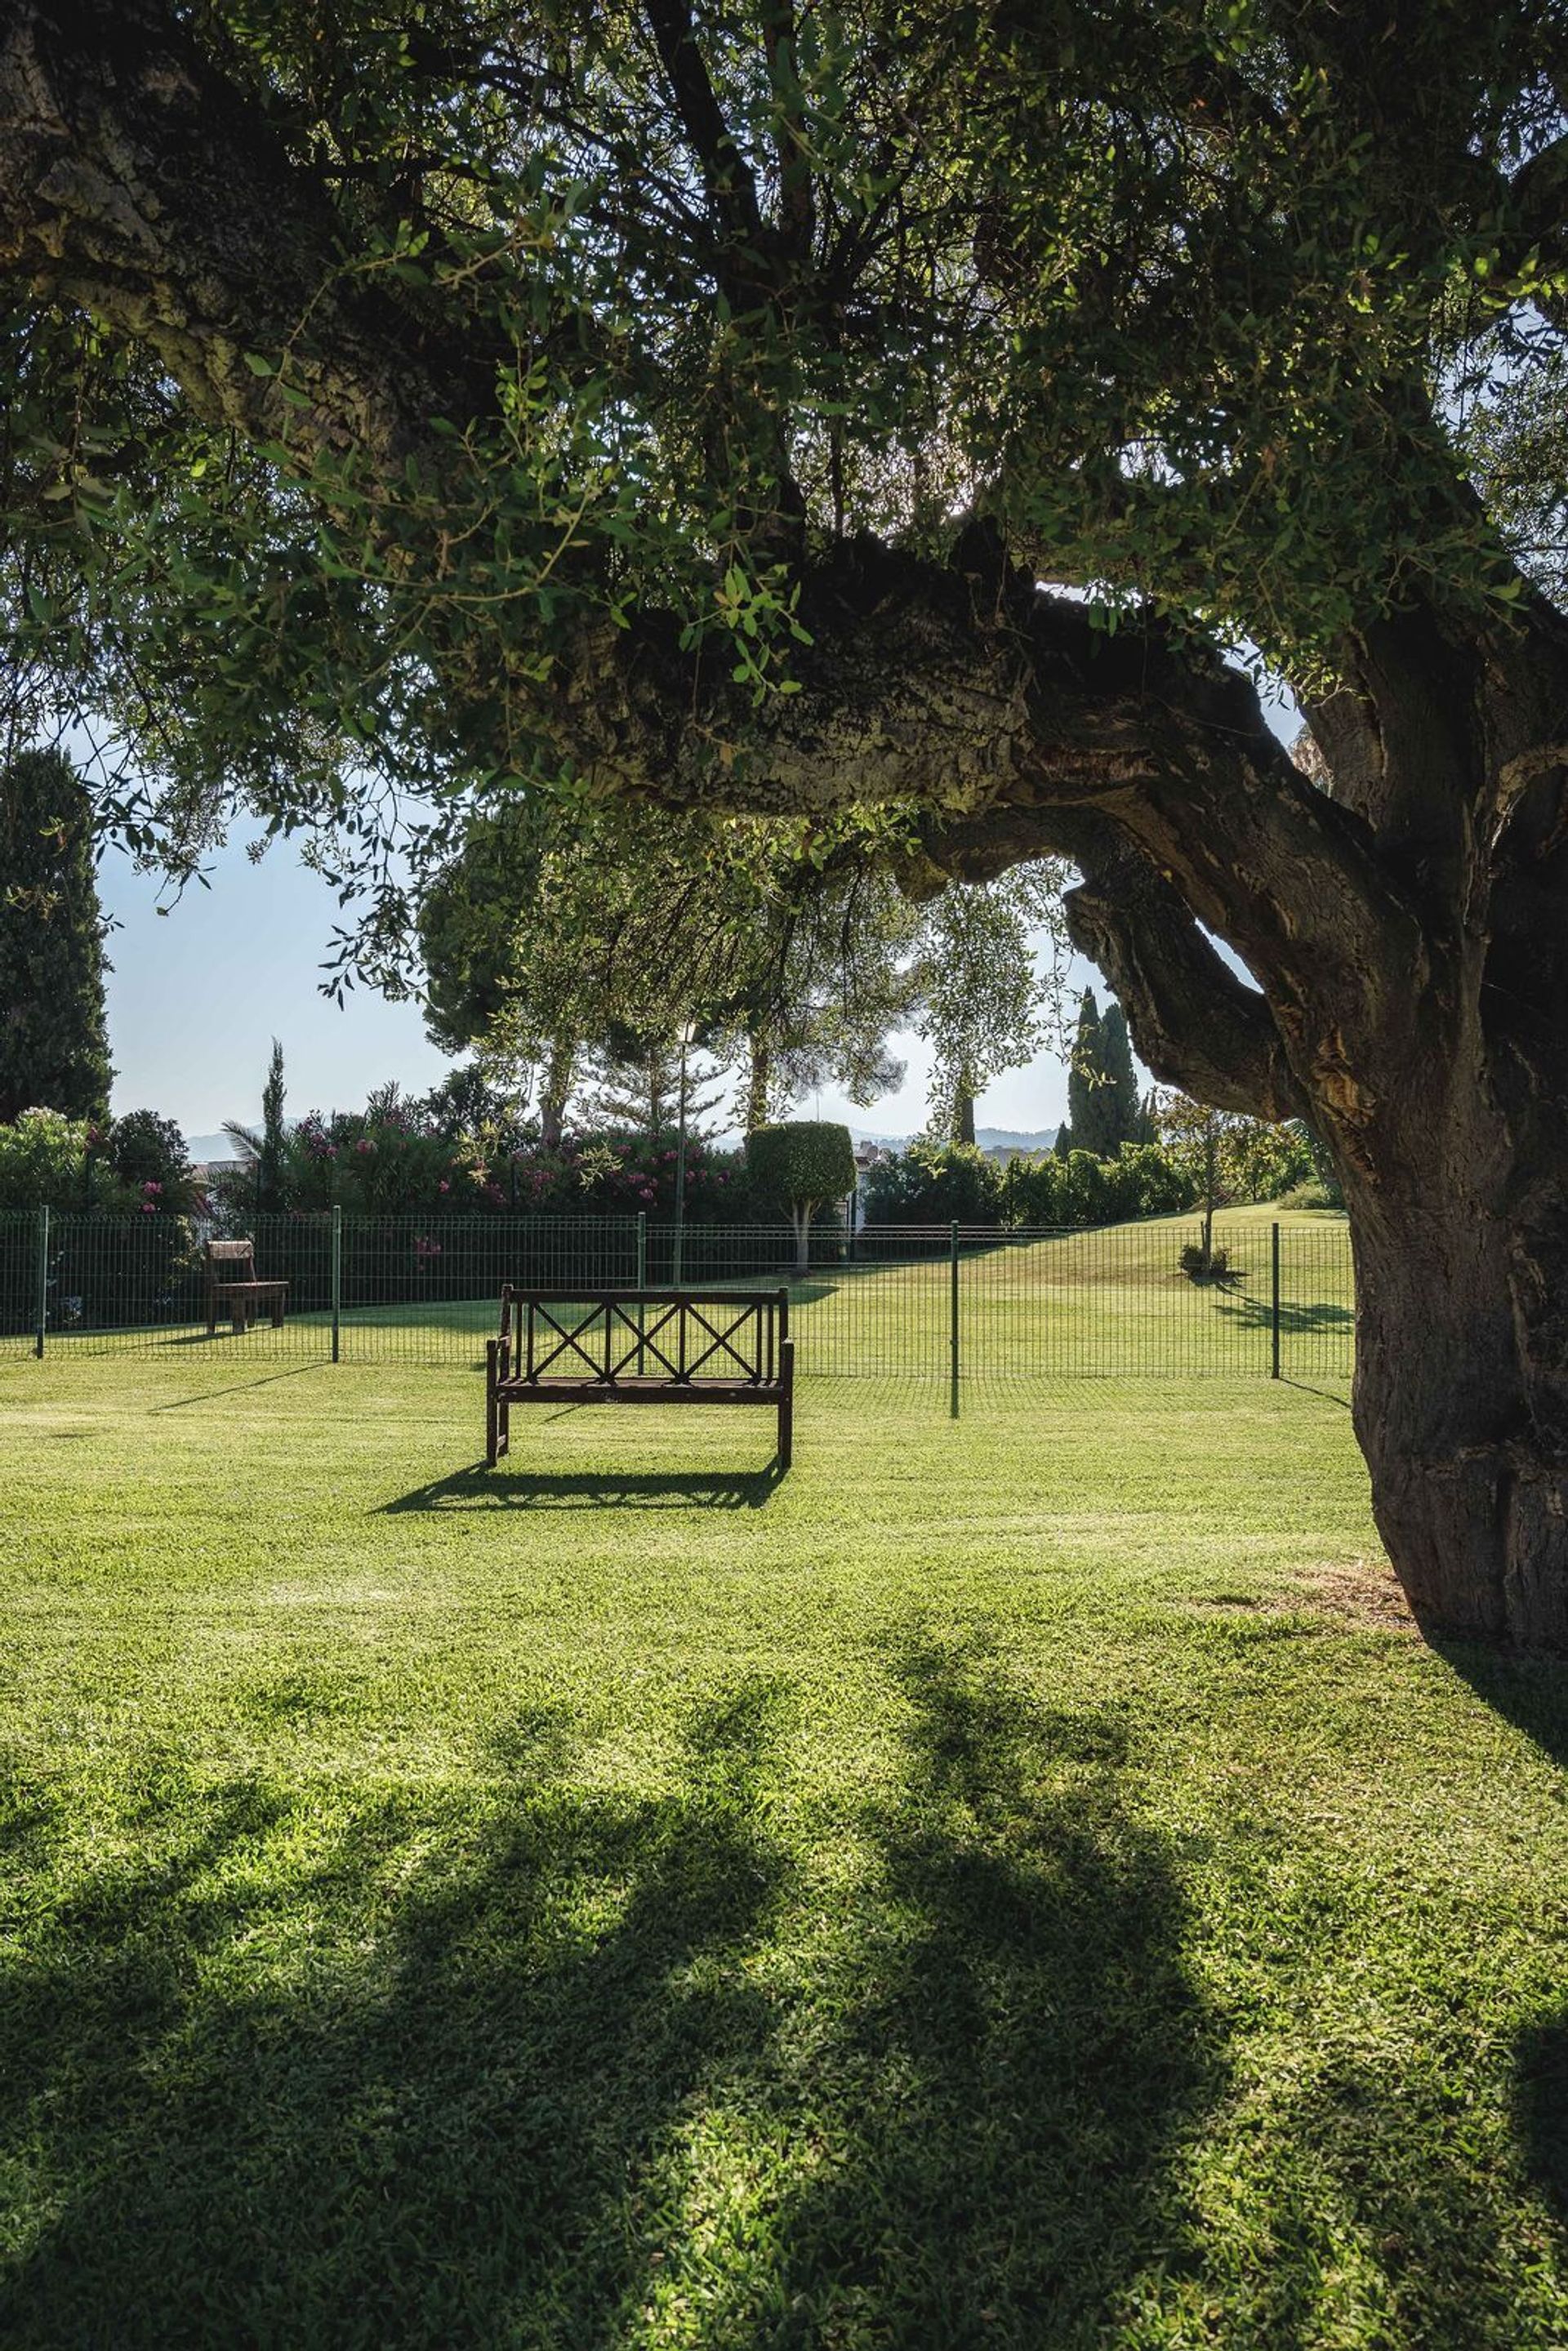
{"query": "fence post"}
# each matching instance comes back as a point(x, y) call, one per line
point(1274, 1294)
point(953, 1320)
point(337, 1277)
point(43, 1281)
point(642, 1281)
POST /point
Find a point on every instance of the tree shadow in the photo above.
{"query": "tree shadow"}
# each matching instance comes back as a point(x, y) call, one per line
point(1027, 2051)
point(1531, 1692)
point(1296, 1319)
point(482, 1488)
point(518, 2061)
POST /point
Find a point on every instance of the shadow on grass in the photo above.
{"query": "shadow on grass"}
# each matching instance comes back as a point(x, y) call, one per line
point(505, 1488)
point(531, 2062)
point(1532, 1694)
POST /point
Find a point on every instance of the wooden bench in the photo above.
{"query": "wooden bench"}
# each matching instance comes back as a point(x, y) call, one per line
point(238, 1293)
point(640, 1346)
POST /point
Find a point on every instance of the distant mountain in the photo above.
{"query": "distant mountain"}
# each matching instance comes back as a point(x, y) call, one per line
point(203, 1147)
point(1008, 1138)
point(988, 1138)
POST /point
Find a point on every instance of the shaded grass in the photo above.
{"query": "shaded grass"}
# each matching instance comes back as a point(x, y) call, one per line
point(967, 1893)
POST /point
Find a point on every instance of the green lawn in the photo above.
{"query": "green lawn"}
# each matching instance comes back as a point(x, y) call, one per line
point(1014, 1883)
point(1108, 1302)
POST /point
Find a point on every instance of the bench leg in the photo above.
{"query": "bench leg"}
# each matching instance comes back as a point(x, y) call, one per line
point(277, 1315)
point(239, 1318)
point(492, 1406)
point(786, 1403)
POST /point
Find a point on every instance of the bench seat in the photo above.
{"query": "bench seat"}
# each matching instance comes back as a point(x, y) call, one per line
point(722, 1347)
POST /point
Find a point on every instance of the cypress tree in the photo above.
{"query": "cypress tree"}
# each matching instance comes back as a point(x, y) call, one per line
point(1121, 1088)
point(1089, 1111)
point(54, 1044)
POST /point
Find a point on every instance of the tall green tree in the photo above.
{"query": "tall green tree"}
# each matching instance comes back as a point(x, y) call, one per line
point(1123, 1108)
point(54, 1043)
point(1090, 1110)
point(684, 404)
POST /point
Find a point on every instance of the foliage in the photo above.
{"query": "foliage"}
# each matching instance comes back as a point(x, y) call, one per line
point(981, 996)
point(43, 1158)
point(1202, 1263)
point(1080, 1189)
point(802, 1163)
point(54, 1048)
point(933, 1183)
point(148, 1155)
point(550, 931)
point(1103, 1107)
point(638, 1090)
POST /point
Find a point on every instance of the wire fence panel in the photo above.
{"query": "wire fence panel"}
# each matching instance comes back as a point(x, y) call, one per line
point(897, 1301)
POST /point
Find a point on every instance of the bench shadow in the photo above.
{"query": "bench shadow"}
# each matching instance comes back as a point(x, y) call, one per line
point(505, 1488)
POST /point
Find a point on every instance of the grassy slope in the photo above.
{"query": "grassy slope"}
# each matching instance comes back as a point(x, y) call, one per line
point(929, 1902)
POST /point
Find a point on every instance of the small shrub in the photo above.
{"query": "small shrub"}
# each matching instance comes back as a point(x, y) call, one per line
point(1199, 1264)
point(1310, 1194)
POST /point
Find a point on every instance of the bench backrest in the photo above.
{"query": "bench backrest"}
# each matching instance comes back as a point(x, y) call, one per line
point(230, 1261)
point(647, 1334)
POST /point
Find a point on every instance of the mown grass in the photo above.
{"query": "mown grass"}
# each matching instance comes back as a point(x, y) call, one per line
point(1011, 1883)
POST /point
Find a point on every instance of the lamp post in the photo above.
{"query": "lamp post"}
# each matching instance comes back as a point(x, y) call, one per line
point(688, 1030)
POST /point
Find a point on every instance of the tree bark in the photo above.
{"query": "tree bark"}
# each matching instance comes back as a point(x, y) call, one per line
point(556, 1092)
point(963, 1116)
point(760, 1057)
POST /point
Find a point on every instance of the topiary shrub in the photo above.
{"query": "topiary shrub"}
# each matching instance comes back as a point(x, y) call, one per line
point(803, 1163)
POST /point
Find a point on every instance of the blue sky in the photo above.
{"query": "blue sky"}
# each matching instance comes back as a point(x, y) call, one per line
point(197, 994)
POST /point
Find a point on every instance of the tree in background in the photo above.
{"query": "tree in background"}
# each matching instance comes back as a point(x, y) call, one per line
point(551, 934)
point(54, 1045)
point(981, 993)
point(1124, 1109)
point(1227, 1157)
point(1088, 1107)
point(267, 1146)
point(805, 1164)
point(635, 1084)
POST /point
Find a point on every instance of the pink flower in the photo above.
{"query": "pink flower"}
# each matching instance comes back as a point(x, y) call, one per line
point(647, 1193)
point(364, 1143)
point(148, 1209)
point(443, 1185)
point(151, 1189)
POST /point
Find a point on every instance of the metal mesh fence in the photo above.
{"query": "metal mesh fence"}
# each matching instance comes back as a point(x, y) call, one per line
point(889, 1301)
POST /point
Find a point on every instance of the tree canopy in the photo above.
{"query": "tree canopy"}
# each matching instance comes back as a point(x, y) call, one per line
point(54, 1045)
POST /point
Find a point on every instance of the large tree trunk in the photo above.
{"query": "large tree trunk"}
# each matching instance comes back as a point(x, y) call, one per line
point(1458, 1408)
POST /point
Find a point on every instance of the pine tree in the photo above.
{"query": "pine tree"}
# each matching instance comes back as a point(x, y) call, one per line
point(1121, 1088)
point(54, 1045)
point(641, 1089)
